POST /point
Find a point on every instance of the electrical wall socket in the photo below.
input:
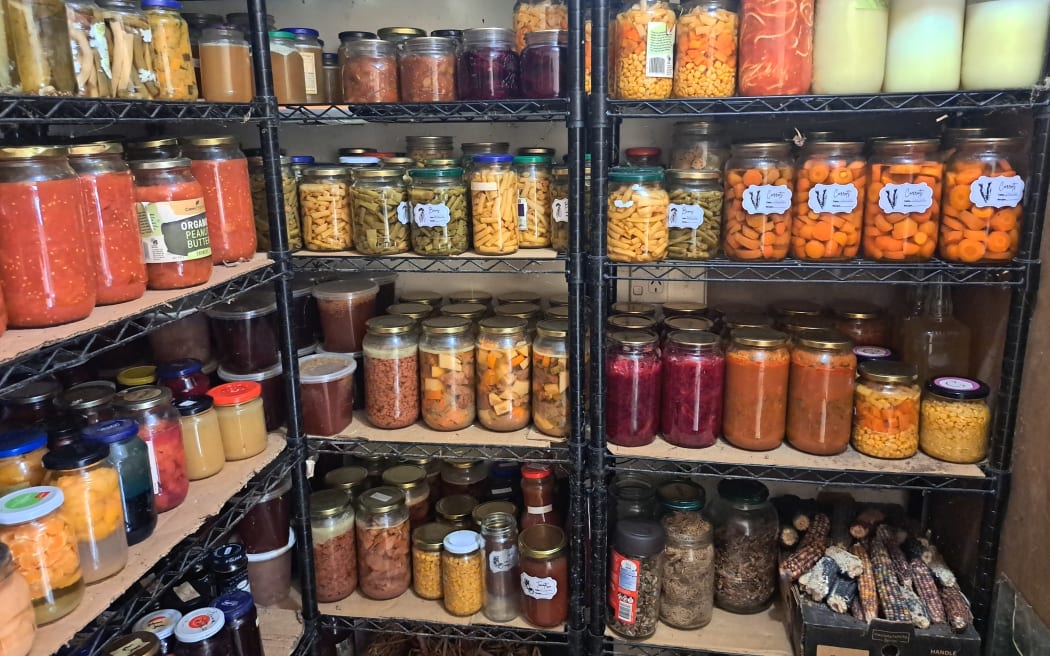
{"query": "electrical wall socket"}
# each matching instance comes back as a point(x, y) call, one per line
point(648, 291)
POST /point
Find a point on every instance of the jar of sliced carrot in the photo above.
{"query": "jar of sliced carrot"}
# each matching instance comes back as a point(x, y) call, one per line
point(638, 206)
point(903, 205)
point(886, 411)
point(705, 49)
point(983, 201)
point(760, 187)
point(644, 38)
point(829, 205)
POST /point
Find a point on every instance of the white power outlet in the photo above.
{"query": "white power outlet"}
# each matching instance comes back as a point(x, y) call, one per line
point(651, 291)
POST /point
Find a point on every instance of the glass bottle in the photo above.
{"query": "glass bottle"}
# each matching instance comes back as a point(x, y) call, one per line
point(643, 40)
point(380, 212)
point(534, 192)
point(221, 168)
point(550, 378)
point(462, 573)
point(176, 78)
point(500, 534)
point(335, 554)
point(129, 455)
point(687, 588)
point(488, 67)
point(504, 363)
point(680, 495)
point(820, 392)
point(829, 210)
point(544, 64)
point(412, 481)
point(635, 578)
point(309, 48)
point(886, 411)
point(746, 551)
point(538, 490)
point(638, 214)
point(937, 344)
point(225, 65)
point(924, 52)
point(494, 205)
point(906, 178)
point(369, 71)
point(955, 419)
point(446, 372)
point(160, 429)
point(289, 74)
point(391, 348)
point(760, 187)
point(332, 70)
point(632, 365)
point(440, 221)
point(383, 565)
point(427, 70)
point(849, 46)
point(544, 564)
point(756, 390)
point(693, 373)
point(706, 49)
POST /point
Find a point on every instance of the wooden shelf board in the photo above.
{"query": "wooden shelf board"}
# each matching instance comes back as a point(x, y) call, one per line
point(281, 630)
point(473, 435)
point(762, 634)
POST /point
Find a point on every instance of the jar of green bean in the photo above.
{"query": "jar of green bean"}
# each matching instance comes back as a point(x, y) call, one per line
point(694, 217)
point(380, 211)
point(440, 222)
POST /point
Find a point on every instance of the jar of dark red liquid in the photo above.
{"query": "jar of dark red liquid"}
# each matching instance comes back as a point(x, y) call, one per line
point(632, 369)
point(265, 527)
point(538, 488)
point(245, 332)
point(161, 430)
point(185, 378)
point(272, 382)
point(544, 64)
point(693, 379)
point(488, 65)
point(30, 403)
point(345, 306)
point(544, 563)
point(202, 633)
point(90, 403)
point(242, 623)
point(187, 336)
point(327, 385)
point(306, 321)
point(864, 323)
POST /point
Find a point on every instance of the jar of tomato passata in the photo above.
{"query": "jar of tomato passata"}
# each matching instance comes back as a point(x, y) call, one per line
point(46, 265)
point(756, 392)
point(538, 488)
point(544, 563)
point(111, 221)
point(632, 366)
point(864, 323)
point(173, 223)
point(820, 393)
point(185, 378)
point(161, 430)
point(221, 168)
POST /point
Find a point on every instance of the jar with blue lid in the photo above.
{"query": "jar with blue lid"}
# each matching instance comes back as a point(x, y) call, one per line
point(309, 48)
point(20, 454)
point(242, 622)
point(184, 377)
point(129, 456)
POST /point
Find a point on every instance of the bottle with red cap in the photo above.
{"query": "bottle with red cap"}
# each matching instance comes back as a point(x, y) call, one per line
point(644, 156)
point(242, 421)
point(538, 489)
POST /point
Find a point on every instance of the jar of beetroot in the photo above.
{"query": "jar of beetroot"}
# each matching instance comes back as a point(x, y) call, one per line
point(693, 378)
point(161, 429)
point(326, 382)
point(488, 66)
point(185, 378)
point(345, 306)
point(632, 366)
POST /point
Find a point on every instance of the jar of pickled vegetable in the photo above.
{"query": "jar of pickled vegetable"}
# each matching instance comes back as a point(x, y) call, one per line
point(335, 549)
point(412, 481)
point(760, 187)
point(776, 47)
point(130, 456)
point(488, 67)
point(111, 221)
point(494, 196)
point(550, 378)
point(638, 212)
point(705, 49)
point(756, 394)
point(160, 429)
point(133, 56)
point(427, 70)
point(201, 437)
point(44, 548)
point(242, 422)
point(380, 212)
point(308, 46)
point(983, 201)
point(633, 380)
point(20, 627)
point(694, 215)
point(643, 40)
point(534, 15)
point(504, 363)
point(462, 573)
point(955, 419)
point(829, 210)
point(864, 323)
point(369, 71)
point(746, 551)
point(903, 205)
point(176, 78)
point(39, 47)
point(222, 170)
point(20, 459)
point(693, 373)
point(391, 348)
point(383, 566)
point(700, 145)
point(446, 373)
point(47, 273)
point(225, 65)
point(924, 52)
point(886, 411)
point(544, 64)
point(820, 394)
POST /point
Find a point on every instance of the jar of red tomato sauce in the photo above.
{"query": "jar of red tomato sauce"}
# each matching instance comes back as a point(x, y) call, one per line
point(108, 193)
point(46, 265)
point(222, 169)
point(160, 428)
point(756, 390)
point(820, 392)
point(172, 223)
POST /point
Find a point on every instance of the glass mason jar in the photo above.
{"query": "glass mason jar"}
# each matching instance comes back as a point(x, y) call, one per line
point(632, 496)
point(638, 207)
point(160, 429)
point(504, 363)
point(167, 192)
point(849, 46)
point(48, 277)
point(44, 547)
point(156, 148)
point(427, 543)
point(176, 78)
point(427, 70)
point(501, 589)
point(184, 377)
point(470, 149)
point(886, 411)
point(776, 48)
point(335, 553)
point(463, 573)
point(446, 373)
point(348, 37)
point(242, 423)
point(89, 403)
point(129, 455)
point(829, 210)
point(550, 378)
point(136, 376)
point(369, 71)
point(632, 368)
point(290, 195)
point(324, 201)
point(391, 348)
point(955, 419)
point(544, 64)
point(203, 632)
point(693, 372)
point(903, 206)
point(111, 221)
point(760, 188)
point(92, 506)
point(924, 52)
point(820, 392)
point(415, 311)
point(679, 495)
point(559, 208)
point(271, 380)
point(221, 168)
point(1021, 24)
point(535, 15)
point(543, 560)
point(864, 323)
point(694, 215)
point(643, 156)
point(332, 73)
point(20, 626)
point(464, 477)
point(474, 312)
point(488, 67)
point(756, 393)
point(42, 57)
point(383, 566)
point(440, 225)
point(456, 511)
point(699, 145)
point(201, 437)
point(687, 589)
point(494, 205)
point(309, 48)
point(226, 65)
point(746, 550)
point(412, 481)
point(534, 201)
point(289, 73)
point(134, 75)
point(398, 35)
point(380, 212)
point(705, 49)
point(530, 312)
point(643, 41)
point(984, 201)
point(21, 454)
point(91, 58)
point(245, 332)
point(635, 576)
point(197, 22)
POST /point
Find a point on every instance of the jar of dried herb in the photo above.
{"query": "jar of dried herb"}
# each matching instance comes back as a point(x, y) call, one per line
point(745, 546)
point(687, 590)
point(634, 585)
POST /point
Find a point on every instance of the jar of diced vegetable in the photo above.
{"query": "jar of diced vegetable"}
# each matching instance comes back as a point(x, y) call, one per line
point(504, 353)
point(446, 372)
point(383, 565)
point(886, 411)
point(694, 216)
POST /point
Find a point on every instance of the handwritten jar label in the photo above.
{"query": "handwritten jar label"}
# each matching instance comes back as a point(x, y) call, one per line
point(689, 217)
point(431, 216)
point(1003, 191)
point(539, 587)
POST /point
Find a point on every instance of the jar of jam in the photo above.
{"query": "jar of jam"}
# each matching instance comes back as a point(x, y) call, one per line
point(21, 452)
point(265, 527)
point(139, 643)
point(693, 369)
point(159, 428)
point(137, 376)
point(202, 632)
point(245, 331)
point(185, 337)
point(30, 403)
point(272, 383)
point(427, 543)
point(335, 556)
point(504, 363)
point(745, 546)
point(456, 511)
point(412, 481)
point(538, 489)
point(326, 382)
point(383, 567)
point(229, 568)
point(756, 390)
point(820, 393)
point(632, 366)
point(242, 622)
point(345, 306)
point(464, 477)
point(185, 378)
point(222, 170)
point(864, 323)
point(544, 563)
point(161, 623)
point(242, 422)
point(462, 573)
point(544, 64)
point(391, 348)
point(488, 66)
point(759, 199)
point(351, 481)
point(201, 438)
point(129, 455)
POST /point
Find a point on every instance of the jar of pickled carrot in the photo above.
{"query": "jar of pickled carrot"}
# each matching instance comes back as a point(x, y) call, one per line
point(829, 206)
point(756, 389)
point(983, 201)
point(172, 220)
point(644, 43)
point(776, 47)
point(903, 204)
point(111, 220)
point(760, 187)
point(222, 169)
point(705, 49)
point(46, 265)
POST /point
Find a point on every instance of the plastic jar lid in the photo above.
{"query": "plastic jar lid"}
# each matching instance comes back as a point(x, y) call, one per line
point(160, 623)
point(234, 605)
point(302, 159)
point(194, 405)
point(76, 455)
point(137, 376)
point(462, 542)
point(493, 158)
point(642, 538)
point(453, 172)
point(958, 388)
point(345, 290)
point(259, 376)
point(199, 625)
point(20, 442)
point(110, 432)
point(636, 174)
point(247, 306)
point(235, 393)
point(176, 368)
point(28, 504)
point(643, 152)
point(325, 367)
point(301, 30)
point(534, 471)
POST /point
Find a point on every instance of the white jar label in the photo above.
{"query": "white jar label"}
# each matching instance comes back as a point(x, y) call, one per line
point(309, 72)
point(503, 560)
point(833, 198)
point(484, 186)
point(907, 198)
point(956, 384)
point(689, 217)
point(402, 212)
point(659, 51)
point(1003, 191)
point(539, 510)
point(560, 210)
point(767, 199)
point(431, 216)
point(539, 588)
point(523, 214)
point(623, 204)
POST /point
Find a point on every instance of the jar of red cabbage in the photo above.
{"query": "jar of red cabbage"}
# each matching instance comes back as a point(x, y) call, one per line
point(544, 64)
point(632, 365)
point(693, 376)
point(488, 66)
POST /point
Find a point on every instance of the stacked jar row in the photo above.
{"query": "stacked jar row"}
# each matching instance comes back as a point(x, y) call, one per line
point(783, 47)
point(903, 205)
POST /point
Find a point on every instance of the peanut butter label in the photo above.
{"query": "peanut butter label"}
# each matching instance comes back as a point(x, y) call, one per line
point(173, 231)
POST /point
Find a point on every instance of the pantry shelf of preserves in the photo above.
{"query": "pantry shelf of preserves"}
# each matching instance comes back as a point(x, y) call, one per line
point(536, 260)
point(449, 112)
point(81, 111)
point(762, 634)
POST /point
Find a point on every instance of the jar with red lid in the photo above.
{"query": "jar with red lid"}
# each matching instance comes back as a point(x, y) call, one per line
point(864, 323)
point(46, 264)
point(544, 563)
point(172, 224)
point(161, 430)
point(632, 369)
point(242, 422)
point(222, 170)
point(185, 378)
point(245, 331)
point(693, 372)
point(202, 632)
point(645, 156)
point(538, 489)
point(272, 382)
point(108, 193)
point(326, 382)
point(30, 403)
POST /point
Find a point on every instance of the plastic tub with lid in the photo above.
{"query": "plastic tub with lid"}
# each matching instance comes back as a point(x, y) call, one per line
point(270, 573)
point(345, 306)
point(327, 385)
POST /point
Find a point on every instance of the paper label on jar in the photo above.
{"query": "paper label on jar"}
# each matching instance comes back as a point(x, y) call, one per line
point(767, 199)
point(659, 51)
point(907, 198)
point(623, 204)
point(431, 216)
point(560, 210)
point(484, 186)
point(310, 72)
point(689, 217)
point(402, 212)
point(173, 231)
point(186, 592)
point(623, 588)
point(1003, 191)
point(539, 510)
point(503, 560)
point(536, 587)
point(833, 198)
point(523, 214)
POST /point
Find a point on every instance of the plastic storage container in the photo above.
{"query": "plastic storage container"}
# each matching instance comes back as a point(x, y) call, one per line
point(201, 437)
point(245, 332)
point(242, 422)
point(383, 564)
point(369, 71)
point(642, 37)
point(638, 215)
point(130, 456)
point(694, 216)
point(427, 70)
point(849, 46)
point(265, 527)
point(221, 168)
point(21, 452)
point(906, 178)
point(270, 574)
point(160, 429)
point(327, 387)
point(225, 65)
point(335, 554)
point(760, 188)
point(635, 575)
point(693, 373)
point(504, 353)
point(820, 392)
point(955, 419)
point(543, 561)
point(746, 548)
point(446, 371)
point(187, 336)
point(345, 307)
point(488, 67)
point(925, 46)
point(829, 209)
point(886, 414)
point(324, 203)
point(706, 49)
point(756, 393)
point(633, 379)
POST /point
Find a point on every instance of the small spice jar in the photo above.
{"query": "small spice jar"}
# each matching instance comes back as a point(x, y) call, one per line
point(693, 372)
point(201, 437)
point(456, 511)
point(369, 71)
point(886, 411)
point(391, 348)
point(746, 548)
point(383, 567)
point(412, 481)
point(326, 382)
point(440, 221)
point(759, 196)
point(427, 542)
point(500, 536)
point(462, 573)
point(335, 553)
point(638, 207)
point(242, 422)
point(820, 392)
point(864, 323)
point(694, 216)
point(245, 332)
point(632, 366)
point(632, 496)
point(635, 578)
point(544, 565)
point(464, 477)
point(955, 418)
point(427, 70)
point(130, 456)
point(202, 632)
point(242, 622)
point(687, 589)
point(756, 392)
point(504, 356)
point(21, 453)
point(446, 372)
point(488, 67)
point(229, 567)
point(161, 623)
point(159, 428)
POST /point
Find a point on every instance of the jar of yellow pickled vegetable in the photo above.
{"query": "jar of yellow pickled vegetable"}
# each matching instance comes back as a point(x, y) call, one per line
point(172, 57)
point(20, 455)
point(644, 44)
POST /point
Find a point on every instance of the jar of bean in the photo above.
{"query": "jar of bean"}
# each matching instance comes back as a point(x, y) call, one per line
point(705, 49)
point(427, 542)
point(694, 216)
point(559, 209)
point(955, 418)
point(324, 200)
point(829, 206)
point(462, 573)
point(380, 212)
point(440, 225)
point(760, 188)
point(886, 411)
point(446, 372)
point(903, 205)
point(504, 353)
point(494, 205)
point(391, 348)
point(335, 554)
point(638, 208)
point(644, 49)
point(383, 566)
point(534, 200)
point(427, 68)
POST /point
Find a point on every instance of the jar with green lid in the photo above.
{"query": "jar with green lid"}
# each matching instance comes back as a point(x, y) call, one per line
point(534, 200)
point(473, 311)
point(687, 589)
point(446, 373)
point(638, 207)
point(391, 348)
point(335, 554)
point(463, 573)
point(886, 410)
point(412, 481)
point(427, 541)
point(456, 511)
point(550, 378)
point(290, 195)
point(494, 205)
point(380, 211)
point(504, 353)
point(694, 217)
point(415, 311)
point(351, 480)
point(383, 566)
point(680, 495)
point(746, 552)
point(440, 225)
point(955, 418)
point(324, 200)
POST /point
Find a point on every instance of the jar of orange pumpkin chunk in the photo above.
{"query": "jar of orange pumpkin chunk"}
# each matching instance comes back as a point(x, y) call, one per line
point(760, 188)
point(983, 201)
point(829, 203)
point(705, 49)
point(903, 204)
point(644, 43)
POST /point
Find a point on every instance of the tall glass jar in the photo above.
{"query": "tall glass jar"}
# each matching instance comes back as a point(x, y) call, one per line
point(543, 560)
point(544, 64)
point(92, 506)
point(829, 209)
point(380, 212)
point(559, 208)
point(705, 49)
point(494, 205)
point(369, 71)
point(20, 628)
point(197, 22)
point(333, 77)
point(886, 411)
point(687, 589)
point(700, 145)
point(632, 496)
point(504, 364)
point(90, 59)
point(427, 542)
point(221, 168)
point(324, 201)
point(242, 422)
point(446, 373)
point(638, 209)
point(438, 200)
point(383, 565)
point(903, 205)
point(160, 429)
point(201, 437)
point(849, 46)
point(776, 48)
point(955, 418)
point(226, 65)
point(133, 73)
point(48, 277)
point(470, 149)
point(550, 378)
point(290, 195)
point(130, 456)
point(176, 78)
point(820, 393)
point(501, 590)
point(632, 368)
point(41, 55)
point(335, 553)
point(488, 67)
point(289, 74)
point(391, 348)
point(412, 481)
point(534, 200)
point(693, 373)
point(1004, 43)
point(538, 492)
point(462, 573)
point(756, 394)
point(643, 41)
point(694, 216)
point(760, 188)
point(635, 578)
point(746, 550)
point(427, 70)
point(309, 48)
point(924, 53)
point(533, 15)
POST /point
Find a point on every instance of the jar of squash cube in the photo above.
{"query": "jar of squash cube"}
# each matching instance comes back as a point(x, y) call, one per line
point(694, 216)
point(955, 419)
point(638, 209)
point(705, 49)
point(324, 200)
point(643, 40)
point(446, 371)
point(504, 365)
point(534, 15)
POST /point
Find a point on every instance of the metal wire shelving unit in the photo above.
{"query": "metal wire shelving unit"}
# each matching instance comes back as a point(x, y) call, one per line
point(464, 111)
